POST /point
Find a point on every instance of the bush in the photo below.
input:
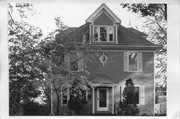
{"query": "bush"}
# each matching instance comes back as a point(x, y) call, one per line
point(34, 108)
point(77, 97)
point(126, 107)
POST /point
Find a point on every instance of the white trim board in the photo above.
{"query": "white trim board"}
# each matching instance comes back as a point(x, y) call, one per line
point(96, 12)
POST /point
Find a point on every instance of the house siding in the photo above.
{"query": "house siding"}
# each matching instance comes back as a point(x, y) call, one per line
point(114, 68)
point(103, 19)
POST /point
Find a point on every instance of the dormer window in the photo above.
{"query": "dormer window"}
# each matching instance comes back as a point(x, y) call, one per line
point(103, 33)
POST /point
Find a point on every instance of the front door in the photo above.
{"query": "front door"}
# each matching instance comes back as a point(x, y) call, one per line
point(102, 99)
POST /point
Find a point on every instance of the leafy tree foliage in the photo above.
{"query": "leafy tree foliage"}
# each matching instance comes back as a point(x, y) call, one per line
point(53, 49)
point(34, 108)
point(148, 9)
point(23, 74)
point(77, 96)
point(155, 26)
point(126, 106)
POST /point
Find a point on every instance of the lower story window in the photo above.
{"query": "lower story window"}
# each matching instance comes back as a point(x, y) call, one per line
point(64, 95)
point(134, 98)
point(138, 96)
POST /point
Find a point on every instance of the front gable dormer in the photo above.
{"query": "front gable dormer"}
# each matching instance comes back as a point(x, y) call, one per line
point(103, 26)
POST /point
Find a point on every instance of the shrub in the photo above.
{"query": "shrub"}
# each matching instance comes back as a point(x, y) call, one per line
point(127, 106)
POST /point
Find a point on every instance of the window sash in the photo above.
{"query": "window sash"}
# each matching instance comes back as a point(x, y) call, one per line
point(129, 67)
point(141, 95)
point(64, 95)
point(98, 33)
point(69, 60)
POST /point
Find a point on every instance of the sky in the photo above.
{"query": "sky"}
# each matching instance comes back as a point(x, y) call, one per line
point(74, 14)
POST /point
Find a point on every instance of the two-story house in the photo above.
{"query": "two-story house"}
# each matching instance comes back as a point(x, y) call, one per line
point(125, 53)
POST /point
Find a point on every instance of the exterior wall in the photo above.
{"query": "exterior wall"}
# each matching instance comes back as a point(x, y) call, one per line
point(114, 69)
point(103, 19)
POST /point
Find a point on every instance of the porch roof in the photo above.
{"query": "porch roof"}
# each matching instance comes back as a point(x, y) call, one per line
point(101, 79)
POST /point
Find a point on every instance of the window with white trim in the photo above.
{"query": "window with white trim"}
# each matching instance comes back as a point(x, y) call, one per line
point(132, 61)
point(138, 96)
point(64, 95)
point(74, 61)
point(103, 33)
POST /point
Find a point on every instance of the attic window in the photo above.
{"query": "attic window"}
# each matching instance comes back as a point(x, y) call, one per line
point(103, 34)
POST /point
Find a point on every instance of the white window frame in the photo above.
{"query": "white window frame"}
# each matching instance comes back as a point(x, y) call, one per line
point(139, 61)
point(108, 26)
point(79, 63)
point(107, 100)
point(141, 94)
point(62, 95)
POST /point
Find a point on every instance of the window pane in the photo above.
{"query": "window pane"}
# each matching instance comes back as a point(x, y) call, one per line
point(64, 101)
point(110, 33)
point(103, 33)
point(74, 66)
point(133, 62)
point(95, 33)
point(133, 98)
point(74, 62)
point(110, 37)
point(136, 96)
point(64, 95)
point(102, 98)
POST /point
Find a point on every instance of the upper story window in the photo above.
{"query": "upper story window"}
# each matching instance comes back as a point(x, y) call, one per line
point(133, 61)
point(74, 61)
point(103, 33)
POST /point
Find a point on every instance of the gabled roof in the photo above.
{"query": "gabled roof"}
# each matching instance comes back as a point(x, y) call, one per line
point(95, 13)
point(101, 79)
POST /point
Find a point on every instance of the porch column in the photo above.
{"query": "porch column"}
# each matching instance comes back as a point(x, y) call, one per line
point(93, 99)
point(112, 99)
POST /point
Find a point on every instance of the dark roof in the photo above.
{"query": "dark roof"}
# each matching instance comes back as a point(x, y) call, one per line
point(135, 31)
point(101, 79)
point(69, 30)
point(127, 37)
point(76, 35)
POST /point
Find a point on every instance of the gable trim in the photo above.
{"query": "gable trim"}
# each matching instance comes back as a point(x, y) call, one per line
point(96, 12)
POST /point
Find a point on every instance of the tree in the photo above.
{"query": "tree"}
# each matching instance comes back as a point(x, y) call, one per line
point(127, 106)
point(23, 74)
point(77, 96)
point(155, 26)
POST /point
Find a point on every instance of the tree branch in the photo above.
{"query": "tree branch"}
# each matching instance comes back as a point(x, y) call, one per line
point(18, 25)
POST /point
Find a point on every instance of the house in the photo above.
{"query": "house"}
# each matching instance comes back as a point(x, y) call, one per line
point(125, 53)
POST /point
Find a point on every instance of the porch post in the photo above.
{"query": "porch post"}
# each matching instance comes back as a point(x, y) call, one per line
point(112, 99)
point(93, 99)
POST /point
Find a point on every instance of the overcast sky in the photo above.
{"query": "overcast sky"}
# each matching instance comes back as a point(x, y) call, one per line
point(74, 14)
